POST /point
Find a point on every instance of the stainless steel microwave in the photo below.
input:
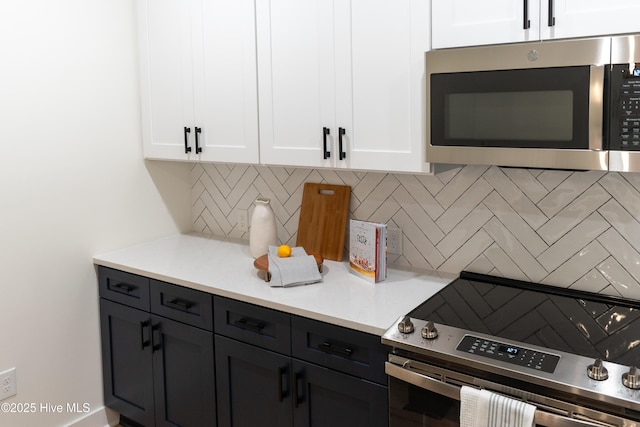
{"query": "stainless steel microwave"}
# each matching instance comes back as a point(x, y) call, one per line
point(566, 104)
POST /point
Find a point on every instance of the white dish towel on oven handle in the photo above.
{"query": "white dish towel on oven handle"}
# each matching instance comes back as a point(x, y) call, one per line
point(482, 408)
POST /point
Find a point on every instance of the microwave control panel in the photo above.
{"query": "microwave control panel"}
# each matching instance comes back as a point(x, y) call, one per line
point(625, 123)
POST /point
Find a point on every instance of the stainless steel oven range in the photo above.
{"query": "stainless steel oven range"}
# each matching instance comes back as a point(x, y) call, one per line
point(571, 354)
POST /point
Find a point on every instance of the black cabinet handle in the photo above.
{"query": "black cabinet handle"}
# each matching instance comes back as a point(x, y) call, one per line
point(526, 23)
point(249, 326)
point(124, 287)
point(325, 132)
point(326, 347)
point(187, 131)
point(156, 345)
point(296, 399)
point(198, 148)
point(281, 393)
point(180, 304)
point(552, 19)
point(144, 342)
point(341, 153)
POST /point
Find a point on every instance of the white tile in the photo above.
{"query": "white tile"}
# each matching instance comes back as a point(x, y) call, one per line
point(481, 265)
point(457, 211)
point(568, 190)
point(464, 230)
point(414, 210)
point(421, 196)
point(573, 214)
point(514, 223)
point(526, 181)
point(623, 222)
point(467, 253)
point(503, 263)
point(572, 242)
point(550, 179)
point(368, 183)
point(578, 265)
point(515, 250)
point(593, 281)
point(377, 196)
point(459, 185)
point(623, 253)
point(419, 238)
point(620, 279)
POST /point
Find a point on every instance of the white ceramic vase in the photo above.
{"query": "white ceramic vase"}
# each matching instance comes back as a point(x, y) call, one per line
point(263, 228)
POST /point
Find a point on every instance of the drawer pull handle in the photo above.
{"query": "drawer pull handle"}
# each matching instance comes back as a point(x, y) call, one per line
point(187, 131)
point(325, 132)
point(124, 287)
point(296, 378)
point(156, 345)
point(328, 348)
point(281, 393)
point(341, 153)
point(181, 304)
point(144, 342)
point(245, 324)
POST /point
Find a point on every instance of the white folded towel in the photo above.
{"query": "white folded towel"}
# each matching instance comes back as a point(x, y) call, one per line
point(482, 408)
point(297, 269)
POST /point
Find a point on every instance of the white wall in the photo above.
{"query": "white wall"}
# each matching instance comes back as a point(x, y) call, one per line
point(72, 184)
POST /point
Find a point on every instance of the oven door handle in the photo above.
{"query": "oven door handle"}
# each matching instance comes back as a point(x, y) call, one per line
point(404, 373)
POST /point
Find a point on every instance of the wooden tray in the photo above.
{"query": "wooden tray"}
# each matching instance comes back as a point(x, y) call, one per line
point(262, 264)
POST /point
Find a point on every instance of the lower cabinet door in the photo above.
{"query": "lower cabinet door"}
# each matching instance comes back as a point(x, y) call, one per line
point(126, 361)
point(254, 385)
point(323, 397)
point(184, 381)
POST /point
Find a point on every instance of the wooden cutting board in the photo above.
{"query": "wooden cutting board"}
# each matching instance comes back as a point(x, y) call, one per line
point(323, 219)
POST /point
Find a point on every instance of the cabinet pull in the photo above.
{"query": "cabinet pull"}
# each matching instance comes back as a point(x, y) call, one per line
point(123, 287)
point(281, 393)
point(341, 153)
point(180, 304)
point(296, 400)
point(245, 324)
point(144, 342)
point(198, 148)
point(552, 19)
point(156, 345)
point(325, 132)
point(326, 347)
point(526, 23)
point(187, 131)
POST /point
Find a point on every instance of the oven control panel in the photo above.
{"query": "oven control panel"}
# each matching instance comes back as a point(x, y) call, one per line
point(520, 356)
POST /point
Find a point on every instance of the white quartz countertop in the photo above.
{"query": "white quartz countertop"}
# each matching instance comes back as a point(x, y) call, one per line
point(225, 267)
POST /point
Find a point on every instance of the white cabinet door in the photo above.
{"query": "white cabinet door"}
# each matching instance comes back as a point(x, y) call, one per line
point(580, 18)
point(380, 47)
point(166, 77)
point(296, 85)
point(199, 73)
point(229, 92)
point(471, 22)
point(353, 67)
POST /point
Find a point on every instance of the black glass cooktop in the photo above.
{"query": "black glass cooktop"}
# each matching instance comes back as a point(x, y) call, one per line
point(577, 322)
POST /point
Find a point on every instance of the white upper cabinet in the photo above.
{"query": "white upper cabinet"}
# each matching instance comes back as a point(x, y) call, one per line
point(470, 22)
point(341, 83)
point(198, 80)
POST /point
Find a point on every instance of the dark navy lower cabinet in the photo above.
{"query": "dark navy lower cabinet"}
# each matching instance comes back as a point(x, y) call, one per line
point(157, 371)
point(268, 379)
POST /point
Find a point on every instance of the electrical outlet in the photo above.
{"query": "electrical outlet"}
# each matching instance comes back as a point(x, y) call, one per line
point(243, 220)
point(8, 385)
point(394, 241)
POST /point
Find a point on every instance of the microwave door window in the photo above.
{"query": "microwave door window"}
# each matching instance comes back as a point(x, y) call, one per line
point(498, 118)
point(530, 108)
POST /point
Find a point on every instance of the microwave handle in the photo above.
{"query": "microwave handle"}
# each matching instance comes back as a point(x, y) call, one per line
point(405, 374)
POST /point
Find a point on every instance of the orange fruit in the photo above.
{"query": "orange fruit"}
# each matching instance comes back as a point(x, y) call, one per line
point(284, 251)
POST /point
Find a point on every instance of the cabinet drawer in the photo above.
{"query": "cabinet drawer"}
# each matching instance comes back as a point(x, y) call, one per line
point(125, 288)
point(342, 349)
point(182, 304)
point(263, 327)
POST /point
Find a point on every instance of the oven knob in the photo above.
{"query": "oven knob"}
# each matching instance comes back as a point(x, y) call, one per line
point(405, 326)
point(429, 331)
point(597, 371)
point(631, 379)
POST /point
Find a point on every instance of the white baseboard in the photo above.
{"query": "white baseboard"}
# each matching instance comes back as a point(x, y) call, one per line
point(103, 417)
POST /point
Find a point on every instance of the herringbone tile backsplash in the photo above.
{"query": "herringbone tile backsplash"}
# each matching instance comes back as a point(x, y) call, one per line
point(569, 229)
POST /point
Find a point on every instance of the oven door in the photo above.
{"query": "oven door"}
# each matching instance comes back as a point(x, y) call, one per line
point(424, 395)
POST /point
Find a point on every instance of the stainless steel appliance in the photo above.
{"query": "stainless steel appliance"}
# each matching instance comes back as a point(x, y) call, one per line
point(567, 104)
point(572, 354)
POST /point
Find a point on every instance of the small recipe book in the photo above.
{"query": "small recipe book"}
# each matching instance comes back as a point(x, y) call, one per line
point(368, 250)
